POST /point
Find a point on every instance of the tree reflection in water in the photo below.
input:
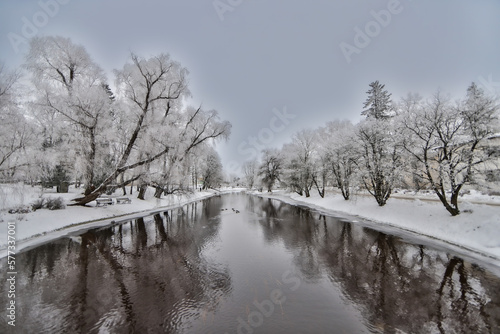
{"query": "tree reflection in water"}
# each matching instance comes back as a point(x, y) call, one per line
point(397, 285)
point(134, 277)
point(163, 273)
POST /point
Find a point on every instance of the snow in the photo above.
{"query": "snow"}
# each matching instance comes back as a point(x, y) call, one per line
point(475, 231)
point(43, 225)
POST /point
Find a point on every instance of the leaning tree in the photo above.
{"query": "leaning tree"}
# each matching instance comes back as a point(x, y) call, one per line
point(152, 119)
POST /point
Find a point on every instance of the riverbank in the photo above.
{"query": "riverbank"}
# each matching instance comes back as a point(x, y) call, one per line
point(42, 225)
point(475, 230)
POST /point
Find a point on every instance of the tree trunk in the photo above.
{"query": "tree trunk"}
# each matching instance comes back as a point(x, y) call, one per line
point(142, 191)
point(89, 186)
point(381, 200)
point(88, 190)
point(158, 191)
point(453, 210)
point(454, 201)
point(345, 193)
point(123, 185)
point(321, 190)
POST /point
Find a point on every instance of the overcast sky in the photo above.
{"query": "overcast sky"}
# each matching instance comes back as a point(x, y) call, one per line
point(312, 59)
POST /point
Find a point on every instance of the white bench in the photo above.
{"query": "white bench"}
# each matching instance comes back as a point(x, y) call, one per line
point(104, 201)
point(122, 200)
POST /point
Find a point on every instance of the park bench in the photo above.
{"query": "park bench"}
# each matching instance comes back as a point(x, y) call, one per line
point(122, 200)
point(104, 201)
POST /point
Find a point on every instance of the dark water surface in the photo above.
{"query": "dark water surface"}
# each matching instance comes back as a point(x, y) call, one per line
point(271, 268)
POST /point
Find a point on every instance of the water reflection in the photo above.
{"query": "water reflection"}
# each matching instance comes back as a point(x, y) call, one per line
point(145, 275)
point(202, 268)
point(399, 286)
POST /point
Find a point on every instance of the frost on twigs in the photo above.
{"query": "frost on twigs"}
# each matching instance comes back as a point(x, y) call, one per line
point(50, 203)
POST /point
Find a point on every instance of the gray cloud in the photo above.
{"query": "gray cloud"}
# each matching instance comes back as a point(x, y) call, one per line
point(270, 54)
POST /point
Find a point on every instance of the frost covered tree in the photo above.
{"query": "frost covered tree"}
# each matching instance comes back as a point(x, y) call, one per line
point(170, 175)
point(300, 161)
point(147, 90)
point(271, 167)
point(343, 152)
point(190, 130)
point(250, 173)
point(52, 147)
point(211, 172)
point(15, 131)
point(380, 158)
point(378, 105)
point(321, 171)
point(447, 141)
point(153, 121)
point(380, 151)
point(67, 81)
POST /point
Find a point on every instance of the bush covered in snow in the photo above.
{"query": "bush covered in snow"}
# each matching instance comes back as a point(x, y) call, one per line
point(19, 209)
point(38, 204)
point(50, 203)
point(55, 203)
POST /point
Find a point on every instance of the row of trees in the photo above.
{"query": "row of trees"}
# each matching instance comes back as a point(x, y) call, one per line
point(69, 118)
point(415, 143)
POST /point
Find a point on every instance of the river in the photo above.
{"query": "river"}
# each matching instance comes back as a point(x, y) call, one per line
point(243, 264)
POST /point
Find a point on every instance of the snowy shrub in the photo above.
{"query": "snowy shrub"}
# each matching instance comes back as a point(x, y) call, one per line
point(55, 203)
point(38, 204)
point(50, 203)
point(20, 209)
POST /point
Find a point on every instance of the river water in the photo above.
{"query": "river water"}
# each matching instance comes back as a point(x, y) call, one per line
point(243, 264)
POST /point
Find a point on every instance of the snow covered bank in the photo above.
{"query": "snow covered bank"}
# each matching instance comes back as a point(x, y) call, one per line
point(476, 229)
point(43, 225)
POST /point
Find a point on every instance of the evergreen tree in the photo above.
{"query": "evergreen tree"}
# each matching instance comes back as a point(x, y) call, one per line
point(378, 104)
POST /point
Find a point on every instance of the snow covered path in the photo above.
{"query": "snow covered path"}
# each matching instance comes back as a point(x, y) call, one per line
point(476, 230)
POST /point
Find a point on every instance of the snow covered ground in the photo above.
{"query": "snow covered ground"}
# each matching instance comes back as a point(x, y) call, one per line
point(37, 227)
point(476, 229)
